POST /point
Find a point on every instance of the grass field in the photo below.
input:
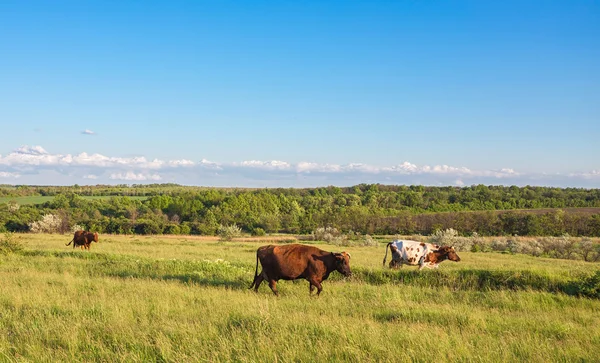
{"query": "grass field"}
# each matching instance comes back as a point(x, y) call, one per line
point(138, 298)
point(43, 199)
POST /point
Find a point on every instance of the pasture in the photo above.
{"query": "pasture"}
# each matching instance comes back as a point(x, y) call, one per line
point(152, 298)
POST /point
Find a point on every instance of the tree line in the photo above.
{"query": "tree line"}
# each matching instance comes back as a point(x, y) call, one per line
point(364, 208)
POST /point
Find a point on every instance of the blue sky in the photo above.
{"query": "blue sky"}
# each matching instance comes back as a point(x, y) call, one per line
point(300, 93)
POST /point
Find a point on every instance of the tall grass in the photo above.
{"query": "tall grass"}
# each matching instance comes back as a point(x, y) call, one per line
point(158, 299)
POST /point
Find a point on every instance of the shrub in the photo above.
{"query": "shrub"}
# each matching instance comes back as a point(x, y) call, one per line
point(185, 228)
point(499, 244)
point(589, 251)
point(76, 227)
point(13, 206)
point(526, 246)
point(9, 244)
point(565, 246)
point(172, 229)
point(228, 233)
point(258, 232)
point(340, 240)
point(479, 244)
point(50, 223)
point(450, 237)
point(147, 226)
point(327, 234)
point(369, 241)
point(590, 286)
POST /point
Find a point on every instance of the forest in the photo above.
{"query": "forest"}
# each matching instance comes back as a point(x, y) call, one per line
point(366, 209)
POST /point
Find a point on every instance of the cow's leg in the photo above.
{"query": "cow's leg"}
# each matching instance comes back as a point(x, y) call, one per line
point(311, 288)
point(314, 282)
point(258, 280)
point(273, 286)
point(319, 287)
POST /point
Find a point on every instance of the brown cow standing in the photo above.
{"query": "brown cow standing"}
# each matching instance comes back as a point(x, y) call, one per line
point(89, 238)
point(83, 239)
point(78, 239)
point(295, 261)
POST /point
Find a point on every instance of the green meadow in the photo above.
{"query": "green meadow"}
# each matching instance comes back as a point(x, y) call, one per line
point(173, 299)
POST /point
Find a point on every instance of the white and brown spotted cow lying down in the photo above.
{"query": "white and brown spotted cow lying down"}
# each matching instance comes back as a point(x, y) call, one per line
point(419, 253)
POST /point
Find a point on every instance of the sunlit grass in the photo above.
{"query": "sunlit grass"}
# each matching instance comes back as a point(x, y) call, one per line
point(138, 298)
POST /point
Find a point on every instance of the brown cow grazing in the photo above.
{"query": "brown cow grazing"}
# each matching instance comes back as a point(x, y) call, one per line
point(83, 239)
point(295, 261)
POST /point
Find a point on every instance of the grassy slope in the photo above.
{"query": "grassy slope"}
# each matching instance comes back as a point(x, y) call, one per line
point(152, 298)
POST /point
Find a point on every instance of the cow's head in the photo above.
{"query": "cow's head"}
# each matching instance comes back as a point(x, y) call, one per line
point(448, 252)
point(342, 263)
point(92, 236)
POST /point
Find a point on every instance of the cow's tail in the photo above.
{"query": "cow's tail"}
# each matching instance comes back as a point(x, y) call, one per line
point(70, 242)
point(386, 251)
point(255, 272)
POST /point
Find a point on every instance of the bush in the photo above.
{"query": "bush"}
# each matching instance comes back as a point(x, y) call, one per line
point(589, 251)
point(77, 227)
point(228, 233)
point(369, 241)
point(327, 234)
point(499, 244)
point(479, 244)
point(147, 226)
point(13, 206)
point(172, 229)
point(9, 244)
point(340, 240)
point(185, 228)
point(589, 286)
point(50, 223)
point(449, 237)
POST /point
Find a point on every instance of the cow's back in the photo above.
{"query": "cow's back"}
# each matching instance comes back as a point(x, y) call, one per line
point(410, 252)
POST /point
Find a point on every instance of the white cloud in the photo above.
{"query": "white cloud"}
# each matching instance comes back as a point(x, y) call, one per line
point(133, 176)
point(4, 174)
point(267, 165)
point(209, 164)
point(30, 150)
point(88, 132)
point(35, 165)
point(37, 156)
point(182, 162)
point(587, 175)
